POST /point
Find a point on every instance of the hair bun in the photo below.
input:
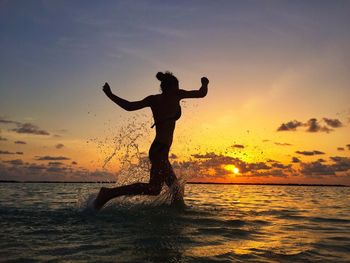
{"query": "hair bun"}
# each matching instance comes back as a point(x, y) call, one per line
point(160, 76)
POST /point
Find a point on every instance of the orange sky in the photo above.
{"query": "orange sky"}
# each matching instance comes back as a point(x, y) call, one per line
point(269, 64)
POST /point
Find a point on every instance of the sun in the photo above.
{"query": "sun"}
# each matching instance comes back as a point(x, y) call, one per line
point(232, 168)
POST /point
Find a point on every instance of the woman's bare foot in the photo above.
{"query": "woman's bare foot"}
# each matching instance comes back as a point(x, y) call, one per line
point(101, 199)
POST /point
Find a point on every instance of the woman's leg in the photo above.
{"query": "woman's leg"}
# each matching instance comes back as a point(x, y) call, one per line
point(158, 171)
point(152, 188)
point(107, 194)
point(173, 183)
point(170, 177)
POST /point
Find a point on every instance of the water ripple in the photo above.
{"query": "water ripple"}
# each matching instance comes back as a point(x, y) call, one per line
point(219, 224)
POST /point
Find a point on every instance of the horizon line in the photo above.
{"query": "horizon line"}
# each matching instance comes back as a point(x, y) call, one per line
point(216, 183)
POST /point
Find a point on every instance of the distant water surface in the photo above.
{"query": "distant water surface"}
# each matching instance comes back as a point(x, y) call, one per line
point(222, 223)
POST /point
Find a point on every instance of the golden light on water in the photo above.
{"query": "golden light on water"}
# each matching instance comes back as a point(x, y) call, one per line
point(232, 168)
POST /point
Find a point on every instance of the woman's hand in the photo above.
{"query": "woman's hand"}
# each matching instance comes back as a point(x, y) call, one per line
point(107, 89)
point(204, 81)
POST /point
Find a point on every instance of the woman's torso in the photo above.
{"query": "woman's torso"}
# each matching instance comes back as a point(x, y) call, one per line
point(166, 110)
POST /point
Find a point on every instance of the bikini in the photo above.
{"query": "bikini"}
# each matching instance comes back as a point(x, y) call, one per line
point(156, 146)
point(175, 117)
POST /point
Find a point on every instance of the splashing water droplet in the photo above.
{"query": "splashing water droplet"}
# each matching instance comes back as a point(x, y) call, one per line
point(127, 146)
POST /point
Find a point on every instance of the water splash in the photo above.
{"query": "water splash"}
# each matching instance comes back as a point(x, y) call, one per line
point(127, 147)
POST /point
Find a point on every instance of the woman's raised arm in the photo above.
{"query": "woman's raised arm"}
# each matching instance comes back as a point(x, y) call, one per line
point(127, 105)
point(200, 93)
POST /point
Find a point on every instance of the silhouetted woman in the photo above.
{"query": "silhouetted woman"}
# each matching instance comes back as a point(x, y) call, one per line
point(166, 111)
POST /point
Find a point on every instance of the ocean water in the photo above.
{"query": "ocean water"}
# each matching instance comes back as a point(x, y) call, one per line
point(221, 223)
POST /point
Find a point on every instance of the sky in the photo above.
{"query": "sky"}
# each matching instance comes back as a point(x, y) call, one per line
point(277, 110)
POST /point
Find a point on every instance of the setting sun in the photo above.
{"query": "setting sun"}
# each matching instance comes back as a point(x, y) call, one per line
point(232, 168)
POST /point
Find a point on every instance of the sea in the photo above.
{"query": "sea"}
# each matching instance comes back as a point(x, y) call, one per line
point(51, 222)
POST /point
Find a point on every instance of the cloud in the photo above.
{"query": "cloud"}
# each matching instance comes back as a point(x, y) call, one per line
point(341, 163)
point(28, 128)
point(271, 161)
point(283, 144)
point(316, 169)
point(290, 126)
point(51, 158)
point(74, 163)
point(6, 152)
point(18, 170)
point(341, 149)
point(334, 123)
point(309, 153)
point(20, 142)
point(314, 126)
point(14, 162)
point(211, 165)
point(205, 156)
point(3, 138)
point(3, 120)
point(55, 163)
point(281, 165)
point(348, 146)
point(295, 160)
point(240, 146)
point(25, 128)
point(248, 167)
point(59, 146)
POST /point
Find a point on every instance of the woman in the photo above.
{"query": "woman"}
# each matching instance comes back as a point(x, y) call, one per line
point(166, 111)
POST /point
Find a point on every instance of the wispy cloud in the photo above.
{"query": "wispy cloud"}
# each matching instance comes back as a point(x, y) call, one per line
point(290, 126)
point(18, 170)
point(340, 164)
point(312, 125)
point(5, 121)
point(20, 142)
point(15, 162)
point(240, 146)
point(51, 158)
point(55, 163)
point(316, 169)
point(28, 128)
point(8, 152)
point(309, 153)
point(59, 146)
point(24, 128)
point(334, 123)
point(283, 144)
